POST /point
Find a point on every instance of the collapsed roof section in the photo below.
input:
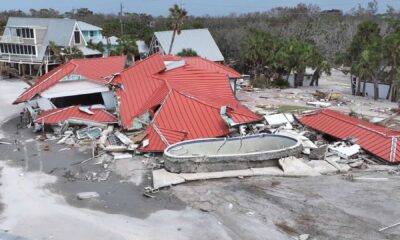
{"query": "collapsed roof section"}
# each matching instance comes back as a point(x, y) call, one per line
point(99, 70)
point(77, 113)
point(187, 100)
point(377, 140)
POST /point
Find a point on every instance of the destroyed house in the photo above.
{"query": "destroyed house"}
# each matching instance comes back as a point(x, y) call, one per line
point(76, 114)
point(76, 82)
point(177, 99)
point(377, 140)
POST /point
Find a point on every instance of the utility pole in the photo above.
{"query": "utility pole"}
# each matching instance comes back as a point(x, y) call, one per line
point(120, 20)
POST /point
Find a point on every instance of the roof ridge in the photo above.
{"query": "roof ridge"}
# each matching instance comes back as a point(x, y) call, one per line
point(195, 99)
point(42, 82)
point(142, 61)
point(229, 69)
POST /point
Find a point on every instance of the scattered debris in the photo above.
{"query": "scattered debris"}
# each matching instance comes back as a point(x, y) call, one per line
point(279, 119)
point(344, 150)
point(373, 179)
point(304, 237)
point(327, 96)
point(296, 167)
point(318, 153)
point(46, 147)
point(90, 132)
point(319, 104)
point(391, 226)
point(123, 138)
point(375, 139)
point(87, 195)
point(118, 155)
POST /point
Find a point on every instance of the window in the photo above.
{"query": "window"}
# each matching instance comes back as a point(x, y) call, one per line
point(17, 49)
point(25, 33)
point(91, 33)
point(77, 35)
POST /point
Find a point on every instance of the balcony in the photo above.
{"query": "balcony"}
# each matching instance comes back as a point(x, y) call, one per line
point(11, 39)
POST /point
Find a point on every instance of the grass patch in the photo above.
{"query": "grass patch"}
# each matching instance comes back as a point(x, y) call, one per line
point(291, 109)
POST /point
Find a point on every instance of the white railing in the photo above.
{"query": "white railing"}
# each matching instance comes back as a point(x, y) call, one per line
point(11, 39)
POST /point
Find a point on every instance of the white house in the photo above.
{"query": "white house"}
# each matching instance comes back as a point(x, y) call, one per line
point(26, 40)
point(199, 40)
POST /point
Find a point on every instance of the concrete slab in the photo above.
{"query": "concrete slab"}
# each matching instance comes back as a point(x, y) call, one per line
point(162, 178)
point(269, 171)
point(322, 166)
point(293, 166)
point(214, 175)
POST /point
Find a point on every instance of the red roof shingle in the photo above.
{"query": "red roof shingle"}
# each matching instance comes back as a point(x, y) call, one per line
point(93, 69)
point(375, 139)
point(56, 116)
point(190, 98)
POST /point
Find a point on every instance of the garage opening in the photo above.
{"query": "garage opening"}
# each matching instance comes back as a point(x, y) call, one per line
point(86, 99)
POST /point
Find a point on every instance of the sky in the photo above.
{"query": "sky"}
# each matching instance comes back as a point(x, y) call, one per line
point(194, 7)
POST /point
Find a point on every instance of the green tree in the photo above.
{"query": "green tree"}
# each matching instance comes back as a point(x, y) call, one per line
point(258, 50)
point(364, 45)
point(320, 65)
point(391, 51)
point(96, 46)
point(126, 46)
point(177, 15)
point(111, 28)
point(300, 56)
point(69, 53)
point(188, 52)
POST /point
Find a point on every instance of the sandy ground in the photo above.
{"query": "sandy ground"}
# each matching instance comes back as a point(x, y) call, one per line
point(38, 200)
point(336, 83)
point(10, 89)
point(34, 212)
point(33, 209)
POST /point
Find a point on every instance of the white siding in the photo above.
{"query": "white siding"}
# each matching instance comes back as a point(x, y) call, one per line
point(109, 100)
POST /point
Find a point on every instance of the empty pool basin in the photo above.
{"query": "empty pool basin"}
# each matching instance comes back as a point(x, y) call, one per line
point(221, 154)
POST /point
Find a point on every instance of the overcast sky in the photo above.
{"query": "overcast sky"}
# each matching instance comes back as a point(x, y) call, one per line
point(195, 7)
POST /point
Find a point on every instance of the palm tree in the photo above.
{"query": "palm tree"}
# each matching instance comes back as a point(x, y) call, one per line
point(391, 53)
point(177, 14)
point(320, 66)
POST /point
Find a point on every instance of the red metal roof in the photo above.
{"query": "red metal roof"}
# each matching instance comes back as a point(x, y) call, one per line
point(59, 115)
point(375, 139)
point(190, 98)
point(138, 86)
point(204, 64)
point(93, 69)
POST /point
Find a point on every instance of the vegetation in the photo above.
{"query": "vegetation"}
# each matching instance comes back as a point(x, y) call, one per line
point(96, 46)
point(187, 52)
point(63, 54)
point(374, 54)
point(270, 58)
point(274, 43)
point(126, 46)
point(177, 15)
